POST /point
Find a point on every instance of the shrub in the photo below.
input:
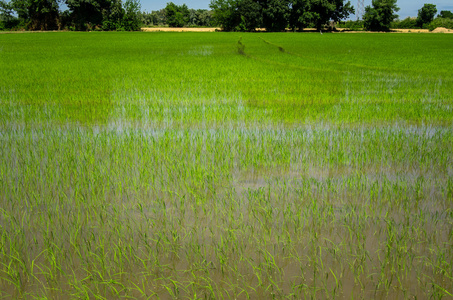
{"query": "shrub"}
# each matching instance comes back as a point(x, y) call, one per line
point(441, 22)
point(408, 23)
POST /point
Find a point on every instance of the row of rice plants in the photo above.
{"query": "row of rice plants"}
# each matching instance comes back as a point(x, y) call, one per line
point(173, 166)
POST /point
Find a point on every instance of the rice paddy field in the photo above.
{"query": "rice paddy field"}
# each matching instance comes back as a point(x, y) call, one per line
point(226, 166)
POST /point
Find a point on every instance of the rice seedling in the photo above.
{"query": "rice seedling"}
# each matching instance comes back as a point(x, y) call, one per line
point(176, 165)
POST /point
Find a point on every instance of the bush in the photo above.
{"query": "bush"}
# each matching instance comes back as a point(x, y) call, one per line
point(352, 25)
point(441, 22)
point(446, 14)
point(408, 23)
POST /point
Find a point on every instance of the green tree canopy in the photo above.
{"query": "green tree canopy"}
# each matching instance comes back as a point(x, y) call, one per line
point(226, 14)
point(81, 14)
point(90, 13)
point(446, 14)
point(380, 15)
point(7, 20)
point(251, 14)
point(324, 11)
point(177, 15)
point(426, 14)
point(37, 14)
point(277, 15)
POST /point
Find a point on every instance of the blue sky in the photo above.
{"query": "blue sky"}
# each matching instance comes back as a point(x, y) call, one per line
point(408, 8)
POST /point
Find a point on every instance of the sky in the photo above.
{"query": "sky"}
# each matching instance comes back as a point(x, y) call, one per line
point(408, 8)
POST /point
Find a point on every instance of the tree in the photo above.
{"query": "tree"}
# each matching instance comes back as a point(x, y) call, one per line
point(104, 14)
point(131, 18)
point(426, 14)
point(87, 14)
point(177, 15)
point(204, 17)
point(276, 15)
point(251, 15)
point(199, 17)
point(226, 14)
point(446, 14)
point(7, 20)
point(112, 16)
point(300, 15)
point(408, 23)
point(380, 16)
point(37, 14)
point(155, 17)
point(324, 11)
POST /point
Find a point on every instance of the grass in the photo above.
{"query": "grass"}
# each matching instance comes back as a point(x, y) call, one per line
point(226, 165)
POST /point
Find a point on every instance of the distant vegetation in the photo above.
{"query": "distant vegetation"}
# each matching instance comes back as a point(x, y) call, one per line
point(177, 16)
point(231, 15)
point(81, 15)
point(273, 15)
point(425, 19)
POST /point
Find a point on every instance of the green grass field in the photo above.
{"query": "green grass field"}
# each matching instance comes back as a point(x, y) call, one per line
point(226, 166)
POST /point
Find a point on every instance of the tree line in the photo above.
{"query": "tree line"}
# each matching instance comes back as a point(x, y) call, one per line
point(426, 19)
point(380, 16)
point(178, 16)
point(278, 15)
point(230, 15)
point(96, 15)
point(80, 15)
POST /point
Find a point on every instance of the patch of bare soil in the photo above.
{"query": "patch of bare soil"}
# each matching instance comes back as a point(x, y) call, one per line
point(442, 30)
point(153, 29)
point(411, 30)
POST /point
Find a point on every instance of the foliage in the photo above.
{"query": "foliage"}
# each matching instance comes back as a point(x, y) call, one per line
point(226, 14)
point(333, 10)
point(200, 17)
point(380, 16)
point(112, 16)
point(37, 14)
point(275, 15)
point(7, 19)
point(194, 17)
point(408, 23)
point(441, 22)
point(426, 14)
point(88, 14)
point(177, 15)
point(81, 14)
point(155, 17)
point(251, 15)
point(122, 16)
point(131, 18)
point(446, 14)
point(351, 25)
point(300, 15)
